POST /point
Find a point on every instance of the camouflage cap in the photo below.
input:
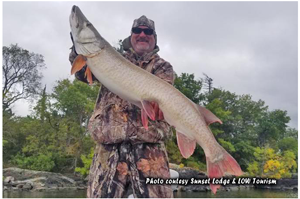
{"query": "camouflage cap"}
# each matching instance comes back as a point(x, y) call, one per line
point(143, 21)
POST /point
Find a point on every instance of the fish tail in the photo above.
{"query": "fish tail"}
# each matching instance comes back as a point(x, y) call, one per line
point(217, 167)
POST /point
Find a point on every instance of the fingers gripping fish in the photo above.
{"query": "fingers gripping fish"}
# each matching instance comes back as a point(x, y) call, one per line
point(141, 88)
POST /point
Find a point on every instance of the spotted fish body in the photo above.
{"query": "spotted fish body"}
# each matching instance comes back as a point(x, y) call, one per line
point(141, 88)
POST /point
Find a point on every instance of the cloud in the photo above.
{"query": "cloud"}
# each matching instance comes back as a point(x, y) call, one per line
point(246, 47)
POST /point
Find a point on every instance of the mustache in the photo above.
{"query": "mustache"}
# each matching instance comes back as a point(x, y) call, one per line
point(142, 39)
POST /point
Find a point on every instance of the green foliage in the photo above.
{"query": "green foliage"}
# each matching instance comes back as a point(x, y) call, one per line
point(194, 163)
point(75, 99)
point(40, 162)
point(4, 142)
point(190, 87)
point(253, 169)
point(215, 106)
point(288, 143)
point(54, 137)
point(244, 151)
point(270, 164)
point(13, 135)
point(227, 145)
point(291, 132)
point(247, 124)
point(272, 126)
point(87, 161)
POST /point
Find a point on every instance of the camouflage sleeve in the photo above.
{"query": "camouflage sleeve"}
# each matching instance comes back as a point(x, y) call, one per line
point(164, 70)
point(108, 123)
point(80, 75)
point(157, 131)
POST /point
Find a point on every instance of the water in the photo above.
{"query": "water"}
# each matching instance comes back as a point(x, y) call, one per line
point(247, 193)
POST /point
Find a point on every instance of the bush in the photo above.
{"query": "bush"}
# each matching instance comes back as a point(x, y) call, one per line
point(87, 161)
point(39, 162)
point(270, 164)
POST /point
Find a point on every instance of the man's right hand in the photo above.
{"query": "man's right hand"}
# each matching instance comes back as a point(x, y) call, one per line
point(72, 54)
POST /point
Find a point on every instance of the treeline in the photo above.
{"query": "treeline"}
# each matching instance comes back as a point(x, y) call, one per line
point(259, 139)
point(54, 137)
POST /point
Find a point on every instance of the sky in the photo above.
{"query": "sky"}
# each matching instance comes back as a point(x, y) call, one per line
point(245, 47)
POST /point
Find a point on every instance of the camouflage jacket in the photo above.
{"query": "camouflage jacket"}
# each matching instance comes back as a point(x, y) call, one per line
point(126, 153)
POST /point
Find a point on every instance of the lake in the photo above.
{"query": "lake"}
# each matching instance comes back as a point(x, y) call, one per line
point(246, 193)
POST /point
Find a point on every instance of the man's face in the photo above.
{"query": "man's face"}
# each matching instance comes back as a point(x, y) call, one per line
point(142, 43)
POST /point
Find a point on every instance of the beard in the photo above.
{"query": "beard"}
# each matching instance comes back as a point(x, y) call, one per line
point(143, 46)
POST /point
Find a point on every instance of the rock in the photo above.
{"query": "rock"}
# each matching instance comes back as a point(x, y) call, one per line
point(25, 179)
point(9, 179)
point(27, 186)
point(295, 175)
point(20, 186)
point(282, 184)
point(233, 188)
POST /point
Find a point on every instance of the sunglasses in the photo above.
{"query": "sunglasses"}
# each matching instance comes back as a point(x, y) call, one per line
point(147, 31)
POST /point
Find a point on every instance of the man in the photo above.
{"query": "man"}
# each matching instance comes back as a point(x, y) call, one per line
point(126, 153)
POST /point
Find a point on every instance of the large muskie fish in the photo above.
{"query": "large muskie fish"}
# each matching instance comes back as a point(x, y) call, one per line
point(141, 88)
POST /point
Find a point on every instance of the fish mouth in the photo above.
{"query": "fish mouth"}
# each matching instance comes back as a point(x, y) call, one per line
point(77, 12)
point(77, 17)
point(86, 38)
point(74, 8)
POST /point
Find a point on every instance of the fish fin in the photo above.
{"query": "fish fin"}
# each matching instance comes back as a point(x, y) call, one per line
point(208, 115)
point(214, 187)
point(158, 113)
point(186, 145)
point(148, 108)
point(144, 119)
point(88, 74)
point(78, 64)
point(217, 168)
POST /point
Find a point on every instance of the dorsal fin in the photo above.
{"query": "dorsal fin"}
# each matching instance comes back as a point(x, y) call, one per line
point(208, 115)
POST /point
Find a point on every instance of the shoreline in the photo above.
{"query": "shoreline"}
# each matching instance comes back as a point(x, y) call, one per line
point(16, 179)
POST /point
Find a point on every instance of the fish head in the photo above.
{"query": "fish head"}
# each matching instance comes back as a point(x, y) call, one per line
point(86, 39)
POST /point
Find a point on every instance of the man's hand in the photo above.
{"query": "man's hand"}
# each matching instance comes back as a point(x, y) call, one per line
point(72, 55)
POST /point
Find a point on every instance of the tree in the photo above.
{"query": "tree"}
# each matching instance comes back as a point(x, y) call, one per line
point(74, 101)
point(288, 143)
point(21, 74)
point(190, 87)
point(268, 163)
point(13, 137)
point(41, 108)
point(272, 127)
point(54, 137)
point(208, 83)
point(87, 161)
